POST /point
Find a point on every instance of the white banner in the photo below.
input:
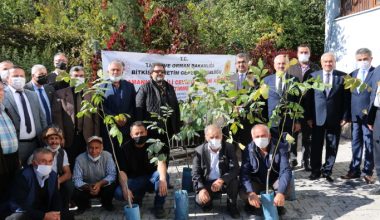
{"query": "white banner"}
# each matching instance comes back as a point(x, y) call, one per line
point(179, 67)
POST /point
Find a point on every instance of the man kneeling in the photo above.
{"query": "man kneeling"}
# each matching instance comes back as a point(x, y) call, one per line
point(256, 161)
point(141, 175)
point(215, 170)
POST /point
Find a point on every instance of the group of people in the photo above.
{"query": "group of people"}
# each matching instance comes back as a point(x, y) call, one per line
point(50, 159)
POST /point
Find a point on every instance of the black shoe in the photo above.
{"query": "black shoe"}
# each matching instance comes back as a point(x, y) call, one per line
point(293, 163)
point(109, 208)
point(314, 176)
point(281, 210)
point(306, 166)
point(233, 211)
point(159, 213)
point(250, 210)
point(328, 178)
point(207, 208)
point(350, 175)
point(79, 211)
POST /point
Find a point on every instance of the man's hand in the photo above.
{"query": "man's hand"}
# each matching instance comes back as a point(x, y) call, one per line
point(343, 122)
point(370, 127)
point(162, 188)
point(254, 200)
point(279, 199)
point(204, 197)
point(95, 189)
point(217, 185)
point(85, 187)
point(296, 127)
point(310, 123)
point(127, 194)
point(52, 216)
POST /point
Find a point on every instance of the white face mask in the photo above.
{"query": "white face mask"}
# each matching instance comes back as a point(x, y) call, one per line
point(79, 81)
point(44, 170)
point(261, 142)
point(159, 79)
point(303, 58)
point(94, 159)
point(4, 75)
point(18, 83)
point(363, 65)
point(215, 144)
point(115, 78)
point(54, 149)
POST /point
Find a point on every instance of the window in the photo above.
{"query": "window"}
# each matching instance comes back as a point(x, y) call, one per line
point(354, 6)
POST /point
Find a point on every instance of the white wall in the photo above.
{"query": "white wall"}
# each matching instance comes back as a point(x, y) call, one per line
point(349, 33)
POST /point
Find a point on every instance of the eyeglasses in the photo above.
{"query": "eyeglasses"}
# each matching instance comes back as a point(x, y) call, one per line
point(159, 71)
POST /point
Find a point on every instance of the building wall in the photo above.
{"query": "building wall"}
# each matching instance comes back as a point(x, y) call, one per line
point(344, 35)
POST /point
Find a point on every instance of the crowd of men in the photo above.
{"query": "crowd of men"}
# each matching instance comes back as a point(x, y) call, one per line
point(50, 159)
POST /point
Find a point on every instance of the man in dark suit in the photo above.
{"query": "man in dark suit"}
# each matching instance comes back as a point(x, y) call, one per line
point(65, 107)
point(44, 91)
point(302, 71)
point(215, 170)
point(329, 110)
point(25, 110)
point(60, 64)
point(278, 84)
point(361, 134)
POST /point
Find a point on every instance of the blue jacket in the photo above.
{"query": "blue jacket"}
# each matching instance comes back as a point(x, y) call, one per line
point(360, 101)
point(24, 193)
point(250, 168)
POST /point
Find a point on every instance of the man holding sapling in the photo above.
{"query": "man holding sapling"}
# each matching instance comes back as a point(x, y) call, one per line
point(257, 159)
point(142, 175)
point(215, 170)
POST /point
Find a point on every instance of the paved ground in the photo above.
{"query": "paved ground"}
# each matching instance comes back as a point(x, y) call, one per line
point(315, 199)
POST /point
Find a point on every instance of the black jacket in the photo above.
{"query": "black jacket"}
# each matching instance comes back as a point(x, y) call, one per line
point(149, 99)
point(228, 165)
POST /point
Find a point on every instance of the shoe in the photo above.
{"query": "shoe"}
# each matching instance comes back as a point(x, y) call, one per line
point(314, 176)
point(207, 208)
point(375, 191)
point(328, 178)
point(250, 210)
point(369, 179)
point(306, 166)
point(350, 175)
point(79, 211)
point(293, 163)
point(233, 211)
point(159, 213)
point(281, 210)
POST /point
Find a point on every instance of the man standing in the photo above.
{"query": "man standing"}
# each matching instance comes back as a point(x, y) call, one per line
point(329, 110)
point(257, 159)
point(44, 91)
point(60, 64)
point(65, 108)
point(302, 71)
point(9, 163)
point(94, 176)
point(242, 67)
point(153, 95)
point(215, 170)
point(278, 84)
point(4, 67)
point(120, 98)
point(361, 134)
point(142, 175)
point(24, 108)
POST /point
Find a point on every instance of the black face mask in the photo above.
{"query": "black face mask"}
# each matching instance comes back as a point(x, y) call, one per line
point(61, 66)
point(42, 80)
point(140, 140)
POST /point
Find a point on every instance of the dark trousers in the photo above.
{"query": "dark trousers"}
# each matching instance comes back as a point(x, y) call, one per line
point(82, 198)
point(306, 142)
point(259, 187)
point(66, 190)
point(231, 189)
point(276, 131)
point(77, 147)
point(376, 143)
point(361, 136)
point(332, 136)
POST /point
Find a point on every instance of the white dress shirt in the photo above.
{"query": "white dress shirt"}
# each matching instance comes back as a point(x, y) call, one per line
point(23, 134)
point(214, 164)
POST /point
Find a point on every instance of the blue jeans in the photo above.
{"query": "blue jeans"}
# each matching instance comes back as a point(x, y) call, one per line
point(142, 184)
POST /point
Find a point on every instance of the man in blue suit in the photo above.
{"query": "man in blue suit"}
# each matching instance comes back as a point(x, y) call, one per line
point(361, 134)
point(278, 84)
point(329, 110)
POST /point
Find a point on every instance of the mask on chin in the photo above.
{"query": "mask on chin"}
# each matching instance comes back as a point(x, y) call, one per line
point(54, 149)
point(93, 159)
point(115, 78)
point(261, 142)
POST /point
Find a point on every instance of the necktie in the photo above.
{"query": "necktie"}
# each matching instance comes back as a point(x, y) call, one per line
point(46, 107)
point(241, 79)
point(361, 76)
point(26, 113)
point(327, 81)
point(279, 86)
